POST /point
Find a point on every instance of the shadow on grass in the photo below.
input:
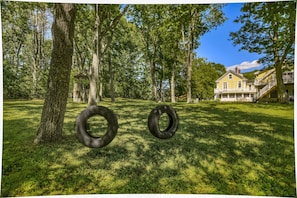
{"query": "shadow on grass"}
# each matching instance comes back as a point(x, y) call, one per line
point(217, 150)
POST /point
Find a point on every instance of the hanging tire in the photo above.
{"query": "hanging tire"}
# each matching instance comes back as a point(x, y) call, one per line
point(153, 122)
point(81, 126)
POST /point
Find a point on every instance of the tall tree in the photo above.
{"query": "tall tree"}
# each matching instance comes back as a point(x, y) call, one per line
point(170, 51)
point(26, 48)
point(128, 68)
point(15, 29)
point(52, 118)
point(197, 20)
point(147, 18)
point(39, 60)
point(268, 29)
point(106, 19)
point(83, 50)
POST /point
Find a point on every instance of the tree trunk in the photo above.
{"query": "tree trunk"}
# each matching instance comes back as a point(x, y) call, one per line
point(190, 54)
point(93, 81)
point(281, 92)
point(172, 84)
point(52, 118)
point(154, 82)
point(94, 72)
point(111, 79)
point(189, 76)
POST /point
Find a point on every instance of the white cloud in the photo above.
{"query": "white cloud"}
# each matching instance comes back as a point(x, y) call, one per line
point(245, 65)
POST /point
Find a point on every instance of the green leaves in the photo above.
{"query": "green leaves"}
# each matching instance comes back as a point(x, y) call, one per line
point(268, 29)
point(204, 76)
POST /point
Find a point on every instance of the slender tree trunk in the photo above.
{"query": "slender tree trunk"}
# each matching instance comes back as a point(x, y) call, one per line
point(154, 82)
point(52, 118)
point(111, 79)
point(190, 54)
point(189, 76)
point(100, 94)
point(94, 72)
point(172, 84)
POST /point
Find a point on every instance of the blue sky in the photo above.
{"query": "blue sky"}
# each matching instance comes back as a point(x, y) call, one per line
point(217, 47)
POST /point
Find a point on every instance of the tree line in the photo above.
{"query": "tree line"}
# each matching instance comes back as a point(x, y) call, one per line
point(118, 51)
point(121, 49)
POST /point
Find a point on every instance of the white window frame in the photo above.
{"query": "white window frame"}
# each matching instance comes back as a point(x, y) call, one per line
point(225, 85)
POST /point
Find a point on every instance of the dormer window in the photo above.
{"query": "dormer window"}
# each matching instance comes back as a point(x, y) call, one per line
point(230, 76)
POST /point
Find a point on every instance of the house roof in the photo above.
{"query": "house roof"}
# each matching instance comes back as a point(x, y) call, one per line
point(265, 73)
point(234, 73)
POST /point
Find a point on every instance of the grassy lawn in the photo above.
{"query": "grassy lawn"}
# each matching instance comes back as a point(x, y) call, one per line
point(219, 148)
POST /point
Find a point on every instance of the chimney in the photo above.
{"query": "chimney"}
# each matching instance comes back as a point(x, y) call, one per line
point(237, 70)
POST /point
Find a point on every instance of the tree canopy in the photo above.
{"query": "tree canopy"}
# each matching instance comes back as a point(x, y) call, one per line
point(142, 51)
point(268, 29)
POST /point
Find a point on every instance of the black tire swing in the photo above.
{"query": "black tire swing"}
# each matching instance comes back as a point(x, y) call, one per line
point(153, 122)
point(81, 126)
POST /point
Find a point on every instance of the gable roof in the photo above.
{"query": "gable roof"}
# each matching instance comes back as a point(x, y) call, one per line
point(264, 74)
point(234, 73)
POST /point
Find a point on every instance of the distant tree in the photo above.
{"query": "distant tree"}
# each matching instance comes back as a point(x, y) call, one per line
point(83, 49)
point(15, 31)
point(147, 19)
point(204, 76)
point(169, 32)
point(26, 48)
point(107, 18)
point(268, 29)
point(196, 21)
point(127, 76)
point(52, 118)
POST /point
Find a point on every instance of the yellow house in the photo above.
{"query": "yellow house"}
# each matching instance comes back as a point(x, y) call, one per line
point(233, 86)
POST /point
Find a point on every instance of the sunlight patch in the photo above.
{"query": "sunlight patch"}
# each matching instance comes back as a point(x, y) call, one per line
point(247, 139)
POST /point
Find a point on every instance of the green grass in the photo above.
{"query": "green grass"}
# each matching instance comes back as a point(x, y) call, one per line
point(219, 148)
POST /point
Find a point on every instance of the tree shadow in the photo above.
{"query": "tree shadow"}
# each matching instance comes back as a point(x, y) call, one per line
point(216, 150)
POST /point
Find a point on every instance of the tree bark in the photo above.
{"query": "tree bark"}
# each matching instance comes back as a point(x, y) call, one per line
point(52, 118)
point(281, 93)
point(172, 84)
point(94, 72)
point(111, 78)
point(190, 55)
point(154, 82)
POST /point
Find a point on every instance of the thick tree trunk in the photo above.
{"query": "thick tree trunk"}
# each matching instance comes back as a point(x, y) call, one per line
point(281, 92)
point(52, 118)
point(94, 74)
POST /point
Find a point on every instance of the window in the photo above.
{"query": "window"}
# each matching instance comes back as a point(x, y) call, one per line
point(239, 84)
point(230, 76)
point(225, 85)
point(250, 87)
